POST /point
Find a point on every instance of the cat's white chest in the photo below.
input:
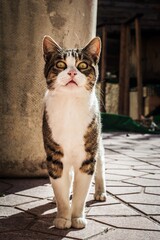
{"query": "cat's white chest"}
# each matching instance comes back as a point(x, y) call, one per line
point(68, 119)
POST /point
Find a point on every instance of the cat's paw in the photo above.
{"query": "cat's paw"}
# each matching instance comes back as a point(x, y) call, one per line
point(79, 222)
point(100, 197)
point(62, 223)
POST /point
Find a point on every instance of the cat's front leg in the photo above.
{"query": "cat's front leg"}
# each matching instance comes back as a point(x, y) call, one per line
point(80, 190)
point(61, 187)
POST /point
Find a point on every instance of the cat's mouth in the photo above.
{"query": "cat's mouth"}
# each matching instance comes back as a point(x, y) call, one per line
point(72, 82)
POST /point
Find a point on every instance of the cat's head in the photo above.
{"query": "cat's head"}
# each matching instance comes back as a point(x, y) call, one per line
point(73, 69)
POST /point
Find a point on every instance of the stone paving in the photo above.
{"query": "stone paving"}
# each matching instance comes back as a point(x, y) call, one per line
point(132, 209)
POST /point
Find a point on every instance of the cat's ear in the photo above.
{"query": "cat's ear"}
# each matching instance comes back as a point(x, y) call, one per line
point(93, 48)
point(49, 46)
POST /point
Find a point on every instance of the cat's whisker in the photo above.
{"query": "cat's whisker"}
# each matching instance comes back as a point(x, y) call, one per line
point(100, 94)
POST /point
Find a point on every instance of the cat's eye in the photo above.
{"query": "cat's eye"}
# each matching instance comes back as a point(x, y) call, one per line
point(61, 65)
point(82, 65)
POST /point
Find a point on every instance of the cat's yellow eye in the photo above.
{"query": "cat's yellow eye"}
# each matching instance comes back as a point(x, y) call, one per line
point(61, 65)
point(82, 65)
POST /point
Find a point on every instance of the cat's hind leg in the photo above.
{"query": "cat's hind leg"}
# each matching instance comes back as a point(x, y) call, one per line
point(100, 190)
point(61, 187)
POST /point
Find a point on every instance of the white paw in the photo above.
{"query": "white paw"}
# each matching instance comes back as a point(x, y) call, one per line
point(100, 197)
point(62, 223)
point(79, 222)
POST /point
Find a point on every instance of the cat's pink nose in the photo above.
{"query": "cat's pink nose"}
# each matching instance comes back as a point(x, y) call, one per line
point(72, 73)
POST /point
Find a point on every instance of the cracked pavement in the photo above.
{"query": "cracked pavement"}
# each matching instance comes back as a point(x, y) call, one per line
point(132, 209)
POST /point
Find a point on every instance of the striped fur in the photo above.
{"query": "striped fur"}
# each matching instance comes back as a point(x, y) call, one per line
point(91, 139)
point(53, 150)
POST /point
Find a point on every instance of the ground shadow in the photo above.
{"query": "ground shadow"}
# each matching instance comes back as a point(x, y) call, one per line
point(13, 185)
point(35, 223)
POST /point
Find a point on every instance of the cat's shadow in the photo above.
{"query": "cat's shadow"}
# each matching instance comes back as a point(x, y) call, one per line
point(36, 221)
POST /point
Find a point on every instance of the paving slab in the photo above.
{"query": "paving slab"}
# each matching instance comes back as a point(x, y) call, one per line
point(131, 222)
point(114, 165)
point(144, 182)
point(116, 177)
point(151, 176)
point(146, 166)
point(124, 190)
point(126, 172)
point(42, 192)
point(151, 171)
point(122, 234)
point(151, 190)
point(108, 210)
point(119, 184)
point(141, 198)
point(148, 209)
point(8, 211)
point(40, 207)
point(14, 200)
point(157, 217)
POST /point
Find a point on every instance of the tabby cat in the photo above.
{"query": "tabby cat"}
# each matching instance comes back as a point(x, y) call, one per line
point(71, 129)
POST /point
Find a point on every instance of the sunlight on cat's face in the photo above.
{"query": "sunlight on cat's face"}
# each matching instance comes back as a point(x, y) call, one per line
point(72, 70)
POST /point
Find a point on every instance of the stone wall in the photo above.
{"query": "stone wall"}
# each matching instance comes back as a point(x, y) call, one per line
point(22, 85)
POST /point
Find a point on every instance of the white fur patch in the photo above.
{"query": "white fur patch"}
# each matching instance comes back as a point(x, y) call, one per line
point(69, 117)
point(70, 60)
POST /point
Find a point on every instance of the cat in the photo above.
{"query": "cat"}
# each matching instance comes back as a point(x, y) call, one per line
point(148, 120)
point(72, 129)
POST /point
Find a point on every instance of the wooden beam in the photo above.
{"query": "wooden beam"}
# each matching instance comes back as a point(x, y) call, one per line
point(103, 70)
point(127, 73)
point(124, 77)
point(122, 70)
point(139, 67)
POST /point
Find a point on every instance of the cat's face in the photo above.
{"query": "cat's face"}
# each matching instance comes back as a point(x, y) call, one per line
point(71, 70)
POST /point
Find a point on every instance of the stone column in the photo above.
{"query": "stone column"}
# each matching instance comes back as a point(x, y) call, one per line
point(23, 24)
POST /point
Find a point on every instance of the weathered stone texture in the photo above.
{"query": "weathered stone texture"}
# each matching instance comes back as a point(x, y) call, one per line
point(22, 85)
